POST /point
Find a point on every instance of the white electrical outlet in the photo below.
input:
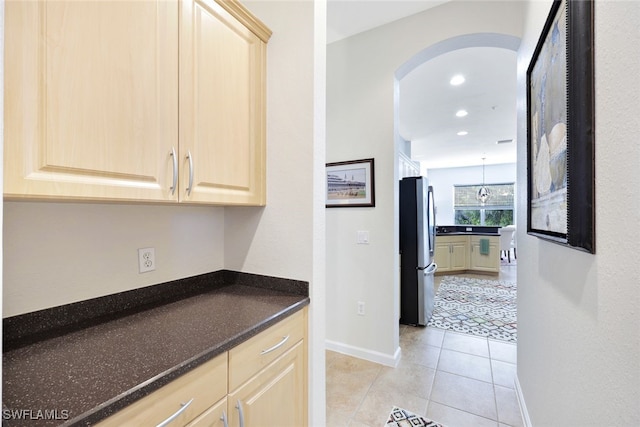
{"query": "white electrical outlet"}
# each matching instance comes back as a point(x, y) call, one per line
point(146, 259)
point(361, 308)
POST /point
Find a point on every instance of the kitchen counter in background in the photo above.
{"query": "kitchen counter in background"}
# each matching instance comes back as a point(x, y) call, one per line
point(89, 359)
point(481, 230)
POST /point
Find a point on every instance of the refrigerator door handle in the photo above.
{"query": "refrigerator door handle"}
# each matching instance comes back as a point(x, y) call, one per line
point(431, 269)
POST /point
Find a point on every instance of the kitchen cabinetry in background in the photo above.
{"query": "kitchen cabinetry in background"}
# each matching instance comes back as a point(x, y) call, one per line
point(455, 253)
point(488, 262)
point(451, 253)
point(92, 97)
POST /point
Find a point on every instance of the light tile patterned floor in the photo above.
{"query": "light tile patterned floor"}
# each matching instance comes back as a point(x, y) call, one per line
point(456, 379)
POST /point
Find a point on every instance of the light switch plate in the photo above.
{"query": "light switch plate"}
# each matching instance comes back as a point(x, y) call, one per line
point(362, 238)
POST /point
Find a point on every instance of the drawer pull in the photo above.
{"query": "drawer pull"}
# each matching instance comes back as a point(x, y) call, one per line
point(176, 415)
point(280, 344)
point(225, 423)
point(240, 413)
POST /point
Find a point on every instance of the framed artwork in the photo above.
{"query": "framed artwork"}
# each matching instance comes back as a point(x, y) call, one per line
point(560, 129)
point(350, 184)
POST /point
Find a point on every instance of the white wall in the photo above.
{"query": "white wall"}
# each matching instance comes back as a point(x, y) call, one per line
point(578, 318)
point(360, 124)
point(444, 179)
point(57, 253)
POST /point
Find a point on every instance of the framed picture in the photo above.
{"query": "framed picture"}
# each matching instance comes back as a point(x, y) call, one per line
point(350, 184)
point(560, 129)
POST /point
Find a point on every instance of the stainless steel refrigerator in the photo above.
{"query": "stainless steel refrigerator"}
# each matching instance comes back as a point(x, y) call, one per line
point(417, 244)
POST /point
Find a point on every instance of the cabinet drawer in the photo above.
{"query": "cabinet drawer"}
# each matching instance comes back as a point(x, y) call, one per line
point(205, 384)
point(251, 356)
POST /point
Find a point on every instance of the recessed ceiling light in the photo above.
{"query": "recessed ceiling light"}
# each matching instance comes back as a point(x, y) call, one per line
point(457, 80)
point(462, 133)
point(461, 113)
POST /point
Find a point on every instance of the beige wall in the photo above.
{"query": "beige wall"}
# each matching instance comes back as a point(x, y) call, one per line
point(578, 319)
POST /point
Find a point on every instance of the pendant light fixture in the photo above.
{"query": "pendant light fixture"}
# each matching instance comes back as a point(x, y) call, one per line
point(483, 193)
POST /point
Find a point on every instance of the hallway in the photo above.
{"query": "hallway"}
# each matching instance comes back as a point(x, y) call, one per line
point(456, 379)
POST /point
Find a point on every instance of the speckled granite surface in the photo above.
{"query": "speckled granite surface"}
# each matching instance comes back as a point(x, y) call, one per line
point(88, 369)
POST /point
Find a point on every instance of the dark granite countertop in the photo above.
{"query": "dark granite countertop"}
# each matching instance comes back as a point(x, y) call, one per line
point(88, 369)
point(466, 233)
point(467, 230)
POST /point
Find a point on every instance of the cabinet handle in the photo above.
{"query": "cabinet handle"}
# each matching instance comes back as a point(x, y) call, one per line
point(280, 344)
point(176, 415)
point(225, 423)
point(190, 173)
point(240, 413)
point(175, 171)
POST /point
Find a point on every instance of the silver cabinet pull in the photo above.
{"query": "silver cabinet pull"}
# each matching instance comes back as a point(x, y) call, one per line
point(280, 344)
point(240, 412)
point(176, 415)
point(225, 423)
point(175, 171)
point(190, 172)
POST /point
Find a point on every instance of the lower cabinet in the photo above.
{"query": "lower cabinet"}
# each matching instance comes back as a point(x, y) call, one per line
point(488, 261)
point(451, 253)
point(261, 382)
point(276, 396)
point(181, 400)
point(462, 253)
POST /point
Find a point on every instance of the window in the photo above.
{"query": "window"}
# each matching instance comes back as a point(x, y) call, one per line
point(497, 211)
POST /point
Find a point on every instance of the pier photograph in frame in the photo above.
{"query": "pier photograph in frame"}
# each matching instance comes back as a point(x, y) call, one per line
point(350, 184)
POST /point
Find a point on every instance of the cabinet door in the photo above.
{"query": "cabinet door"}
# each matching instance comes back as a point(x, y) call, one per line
point(277, 396)
point(222, 107)
point(488, 263)
point(442, 256)
point(90, 99)
point(459, 255)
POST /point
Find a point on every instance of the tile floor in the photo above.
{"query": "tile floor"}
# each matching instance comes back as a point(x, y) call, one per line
point(456, 379)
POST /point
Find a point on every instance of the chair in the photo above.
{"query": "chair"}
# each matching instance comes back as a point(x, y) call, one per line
point(507, 241)
point(513, 243)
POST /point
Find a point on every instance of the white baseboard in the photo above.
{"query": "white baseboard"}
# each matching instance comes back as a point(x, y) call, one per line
point(523, 407)
point(363, 353)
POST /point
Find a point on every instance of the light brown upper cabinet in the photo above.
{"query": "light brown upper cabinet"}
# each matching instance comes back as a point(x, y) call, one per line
point(135, 101)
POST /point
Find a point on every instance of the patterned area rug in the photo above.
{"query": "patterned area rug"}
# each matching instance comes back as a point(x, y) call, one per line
point(402, 418)
point(485, 308)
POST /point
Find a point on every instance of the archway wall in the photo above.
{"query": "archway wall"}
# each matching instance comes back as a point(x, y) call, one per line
point(504, 41)
point(361, 75)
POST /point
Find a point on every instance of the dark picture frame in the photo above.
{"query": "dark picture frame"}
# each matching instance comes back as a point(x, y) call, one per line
point(560, 129)
point(350, 184)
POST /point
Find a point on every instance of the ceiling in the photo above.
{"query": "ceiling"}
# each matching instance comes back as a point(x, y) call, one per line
point(428, 103)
